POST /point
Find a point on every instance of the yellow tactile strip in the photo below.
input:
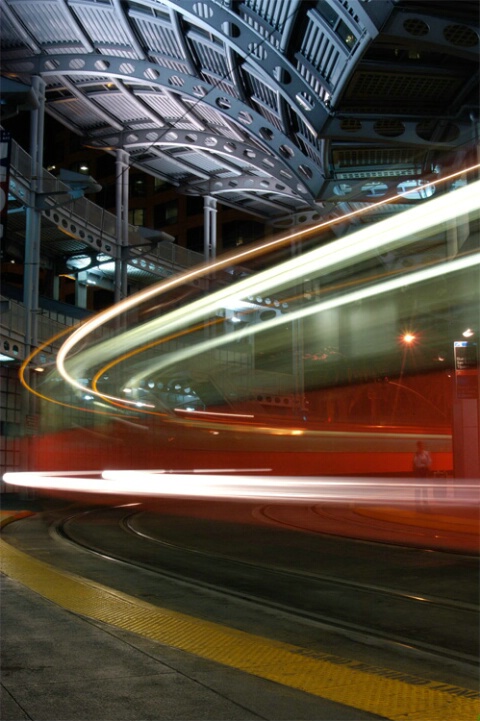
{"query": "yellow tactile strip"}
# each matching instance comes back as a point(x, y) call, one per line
point(388, 693)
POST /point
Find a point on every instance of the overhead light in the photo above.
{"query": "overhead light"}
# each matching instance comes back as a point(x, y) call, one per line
point(423, 190)
point(79, 262)
point(468, 333)
point(107, 266)
point(5, 358)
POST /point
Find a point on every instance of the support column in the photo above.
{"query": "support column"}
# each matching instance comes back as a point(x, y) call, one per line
point(81, 289)
point(298, 368)
point(33, 220)
point(29, 401)
point(122, 169)
point(466, 426)
point(56, 287)
point(210, 230)
point(466, 403)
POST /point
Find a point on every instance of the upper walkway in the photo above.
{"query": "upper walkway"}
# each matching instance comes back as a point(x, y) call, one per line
point(75, 227)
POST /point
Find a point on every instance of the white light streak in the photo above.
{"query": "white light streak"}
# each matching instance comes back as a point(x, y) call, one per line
point(213, 414)
point(378, 289)
point(153, 484)
point(400, 229)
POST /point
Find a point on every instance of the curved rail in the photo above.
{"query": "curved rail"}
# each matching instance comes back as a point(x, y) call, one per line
point(383, 615)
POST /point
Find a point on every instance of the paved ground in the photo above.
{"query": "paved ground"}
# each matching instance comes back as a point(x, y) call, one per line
point(62, 661)
point(57, 666)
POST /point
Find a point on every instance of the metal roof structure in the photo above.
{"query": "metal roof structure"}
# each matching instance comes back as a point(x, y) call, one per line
point(287, 109)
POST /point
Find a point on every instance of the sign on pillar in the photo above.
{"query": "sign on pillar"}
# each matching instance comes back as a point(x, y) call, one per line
point(466, 421)
point(466, 369)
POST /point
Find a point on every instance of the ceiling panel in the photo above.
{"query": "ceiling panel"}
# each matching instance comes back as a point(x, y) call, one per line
point(329, 90)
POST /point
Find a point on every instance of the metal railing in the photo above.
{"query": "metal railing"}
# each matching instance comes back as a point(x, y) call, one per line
point(88, 221)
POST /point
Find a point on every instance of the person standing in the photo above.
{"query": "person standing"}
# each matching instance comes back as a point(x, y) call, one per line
point(422, 461)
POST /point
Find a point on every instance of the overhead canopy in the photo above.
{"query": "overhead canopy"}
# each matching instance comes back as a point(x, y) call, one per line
point(287, 109)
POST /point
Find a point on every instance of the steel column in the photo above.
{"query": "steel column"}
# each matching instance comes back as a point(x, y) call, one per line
point(33, 220)
point(121, 189)
point(210, 230)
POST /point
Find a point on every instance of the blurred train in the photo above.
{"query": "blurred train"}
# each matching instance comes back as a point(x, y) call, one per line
point(240, 446)
point(359, 332)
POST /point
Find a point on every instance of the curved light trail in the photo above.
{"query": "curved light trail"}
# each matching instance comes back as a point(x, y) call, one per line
point(400, 230)
point(332, 256)
point(221, 486)
point(403, 281)
point(385, 235)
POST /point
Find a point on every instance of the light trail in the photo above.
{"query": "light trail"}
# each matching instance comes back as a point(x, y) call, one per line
point(378, 289)
point(160, 484)
point(356, 246)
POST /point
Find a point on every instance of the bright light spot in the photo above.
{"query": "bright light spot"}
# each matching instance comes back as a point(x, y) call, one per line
point(408, 338)
point(468, 333)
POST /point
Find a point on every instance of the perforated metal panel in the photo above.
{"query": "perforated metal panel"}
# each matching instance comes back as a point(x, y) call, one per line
point(303, 82)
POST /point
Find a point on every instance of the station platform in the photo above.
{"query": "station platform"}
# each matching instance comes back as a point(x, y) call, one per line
point(76, 649)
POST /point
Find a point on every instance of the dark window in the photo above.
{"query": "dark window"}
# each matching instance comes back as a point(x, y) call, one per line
point(160, 184)
point(166, 213)
point(195, 239)
point(75, 142)
point(241, 232)
point(195, 205)
point(138, 186)
point(102, 298)
point(136, 216)
point(107, 197)
point(105, 166)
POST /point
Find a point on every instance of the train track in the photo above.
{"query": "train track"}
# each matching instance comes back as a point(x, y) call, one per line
point(370, 612)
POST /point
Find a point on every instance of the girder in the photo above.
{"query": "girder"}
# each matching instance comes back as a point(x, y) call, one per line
point(281, 93)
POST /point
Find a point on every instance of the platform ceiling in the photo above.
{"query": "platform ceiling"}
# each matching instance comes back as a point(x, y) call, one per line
point(286, 109)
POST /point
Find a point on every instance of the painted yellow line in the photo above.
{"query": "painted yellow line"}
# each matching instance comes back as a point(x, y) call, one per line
point(391, 694)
